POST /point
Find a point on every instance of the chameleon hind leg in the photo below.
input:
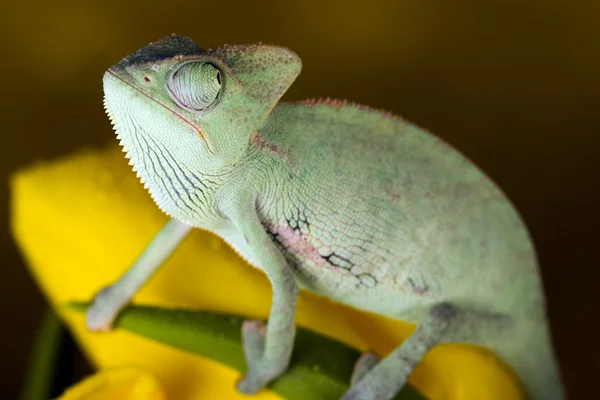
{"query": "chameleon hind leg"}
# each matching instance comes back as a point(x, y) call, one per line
point(111, 300)
point(382, 380)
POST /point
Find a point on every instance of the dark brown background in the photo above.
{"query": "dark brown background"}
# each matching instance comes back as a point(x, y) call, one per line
point(515, 85)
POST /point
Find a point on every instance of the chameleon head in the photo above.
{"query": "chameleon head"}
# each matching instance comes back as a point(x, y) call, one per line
point(175, 105)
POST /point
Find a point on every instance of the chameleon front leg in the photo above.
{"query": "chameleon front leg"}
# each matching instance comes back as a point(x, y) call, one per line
point(110, 301)
point(267, 349)
point(386, 378)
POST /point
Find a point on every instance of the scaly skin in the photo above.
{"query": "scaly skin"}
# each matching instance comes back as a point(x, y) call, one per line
point(351, 203)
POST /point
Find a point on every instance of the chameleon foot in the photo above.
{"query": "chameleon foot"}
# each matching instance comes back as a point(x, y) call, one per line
point(364, 364)
point(386, 378)
point(260, 372)
point(104, 309)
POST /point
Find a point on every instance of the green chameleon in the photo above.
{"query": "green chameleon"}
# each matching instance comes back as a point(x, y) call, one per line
point(336, 198)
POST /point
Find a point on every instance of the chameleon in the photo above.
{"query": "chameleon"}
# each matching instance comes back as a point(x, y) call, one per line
point(340, 199)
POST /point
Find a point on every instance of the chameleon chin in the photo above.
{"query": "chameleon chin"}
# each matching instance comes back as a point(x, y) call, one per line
point(349, 202)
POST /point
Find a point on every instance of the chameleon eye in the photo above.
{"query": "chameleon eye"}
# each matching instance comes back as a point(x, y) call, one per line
point(195, 85)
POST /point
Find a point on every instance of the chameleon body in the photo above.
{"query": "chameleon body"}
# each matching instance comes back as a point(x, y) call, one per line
point(357, 205)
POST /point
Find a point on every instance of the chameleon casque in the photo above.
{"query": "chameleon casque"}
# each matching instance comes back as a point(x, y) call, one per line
point(357, 205)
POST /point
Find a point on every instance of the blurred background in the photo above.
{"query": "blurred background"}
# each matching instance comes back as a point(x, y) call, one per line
point(513, 84)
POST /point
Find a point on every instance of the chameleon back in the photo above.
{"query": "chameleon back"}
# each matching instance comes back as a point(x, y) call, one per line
point(379, 214)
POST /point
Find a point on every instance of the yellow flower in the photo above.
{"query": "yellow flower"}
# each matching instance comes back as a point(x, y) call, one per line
point(80, 223)
point(116, 384)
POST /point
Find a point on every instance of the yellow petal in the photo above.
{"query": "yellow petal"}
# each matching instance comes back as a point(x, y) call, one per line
point(83, 220)
point(117, 384)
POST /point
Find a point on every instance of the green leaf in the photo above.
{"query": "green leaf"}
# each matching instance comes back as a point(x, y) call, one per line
point(320, 368)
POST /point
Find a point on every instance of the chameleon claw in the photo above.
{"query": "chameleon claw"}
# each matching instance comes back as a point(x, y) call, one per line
point(104, 309)
point(250, 384)
point(364, 391)
point(260, 372)
point(259, 375)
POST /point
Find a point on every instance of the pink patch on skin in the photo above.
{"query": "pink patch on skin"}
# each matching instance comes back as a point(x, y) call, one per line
point(392, 195)
point(298, 244)
point(249, 326)
point(335, 103)
point(420, 290)
point(262, 144)
point(416, 288)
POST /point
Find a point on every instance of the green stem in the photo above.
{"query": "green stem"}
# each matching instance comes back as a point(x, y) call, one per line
point(41, 367)
point(320, 368)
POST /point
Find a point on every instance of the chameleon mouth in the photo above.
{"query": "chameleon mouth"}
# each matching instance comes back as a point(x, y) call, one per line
point(111, 73)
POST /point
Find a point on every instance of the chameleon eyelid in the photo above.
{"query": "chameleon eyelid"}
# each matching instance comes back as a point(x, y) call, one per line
point(175, 96)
